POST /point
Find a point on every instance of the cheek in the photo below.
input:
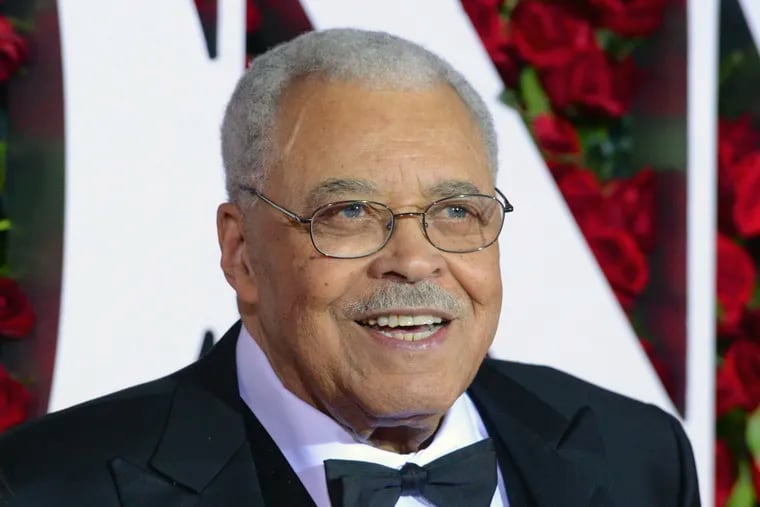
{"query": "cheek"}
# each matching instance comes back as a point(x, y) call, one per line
point(479, 274)
point(323, 285)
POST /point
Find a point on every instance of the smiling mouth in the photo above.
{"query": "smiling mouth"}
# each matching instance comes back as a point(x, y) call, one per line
point(410, 328)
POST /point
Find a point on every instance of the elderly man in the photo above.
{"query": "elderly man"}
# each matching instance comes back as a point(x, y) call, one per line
point(360, 238)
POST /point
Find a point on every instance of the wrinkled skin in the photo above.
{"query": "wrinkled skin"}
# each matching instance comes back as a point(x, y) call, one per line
point(401, 144)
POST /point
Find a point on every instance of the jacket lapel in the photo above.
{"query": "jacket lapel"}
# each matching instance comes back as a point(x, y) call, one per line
point(559, 459)
point(203, 457)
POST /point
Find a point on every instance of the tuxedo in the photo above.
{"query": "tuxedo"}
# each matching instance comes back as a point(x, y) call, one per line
point(189, 440)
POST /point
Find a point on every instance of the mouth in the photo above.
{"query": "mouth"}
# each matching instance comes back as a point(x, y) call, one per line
point(404, 327)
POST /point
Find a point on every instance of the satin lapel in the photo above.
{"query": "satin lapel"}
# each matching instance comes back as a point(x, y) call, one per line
point(559, 459)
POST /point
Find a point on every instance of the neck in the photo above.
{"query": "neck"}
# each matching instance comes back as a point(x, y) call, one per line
point(403, 439)
point(403, 434)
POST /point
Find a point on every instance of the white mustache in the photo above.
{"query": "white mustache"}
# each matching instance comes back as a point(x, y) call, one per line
point(396, 296)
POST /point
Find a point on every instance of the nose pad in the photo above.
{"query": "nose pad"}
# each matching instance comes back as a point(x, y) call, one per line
point(417, 217)
point(420, 227)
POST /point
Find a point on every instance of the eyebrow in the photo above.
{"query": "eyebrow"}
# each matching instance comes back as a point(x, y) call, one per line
point(452, 187)
point(337, 188)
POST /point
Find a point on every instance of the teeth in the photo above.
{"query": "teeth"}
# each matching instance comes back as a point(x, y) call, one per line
point(404, 320)
point(410, 337)
point(422, 320)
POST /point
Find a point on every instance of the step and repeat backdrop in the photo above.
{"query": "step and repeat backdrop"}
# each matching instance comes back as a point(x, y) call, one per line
point(116, 126)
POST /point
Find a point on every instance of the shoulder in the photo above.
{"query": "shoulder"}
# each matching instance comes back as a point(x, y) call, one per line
point(627, 426)
point(566, 393)
point(641, 439)
point(73, 446)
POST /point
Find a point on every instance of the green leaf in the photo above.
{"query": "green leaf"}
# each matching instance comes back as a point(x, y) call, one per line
point(743, 494)
point(533, 94)
point(754, 303)
point(22, 25)
point(507, 7)
point(616, 46)
point(729, 64)
point(5, 225)
point(753, 433)
point(511, 98)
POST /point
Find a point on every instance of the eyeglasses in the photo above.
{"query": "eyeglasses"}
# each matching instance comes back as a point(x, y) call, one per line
point(352, 229)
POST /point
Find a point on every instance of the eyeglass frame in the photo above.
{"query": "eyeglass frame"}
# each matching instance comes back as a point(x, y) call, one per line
point(506, 207)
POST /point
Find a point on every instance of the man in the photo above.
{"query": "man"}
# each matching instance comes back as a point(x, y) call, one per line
point(360, 238)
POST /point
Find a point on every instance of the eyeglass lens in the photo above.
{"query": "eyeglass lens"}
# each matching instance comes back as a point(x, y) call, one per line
point(359, 228)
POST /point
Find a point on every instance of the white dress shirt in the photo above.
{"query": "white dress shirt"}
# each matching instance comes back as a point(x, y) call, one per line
point(307, 436)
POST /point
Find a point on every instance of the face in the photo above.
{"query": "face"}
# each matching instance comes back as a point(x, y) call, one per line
point(339, 141)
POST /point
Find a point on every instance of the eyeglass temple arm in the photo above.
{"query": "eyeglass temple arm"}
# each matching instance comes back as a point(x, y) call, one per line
point(286, 212)
point(507, 205)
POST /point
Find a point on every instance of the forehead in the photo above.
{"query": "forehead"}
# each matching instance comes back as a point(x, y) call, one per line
point(395, 140)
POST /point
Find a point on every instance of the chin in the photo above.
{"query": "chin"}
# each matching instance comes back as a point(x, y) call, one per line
point(409, 405)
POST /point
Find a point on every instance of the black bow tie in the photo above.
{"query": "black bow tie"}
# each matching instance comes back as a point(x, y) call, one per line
point(464, 477)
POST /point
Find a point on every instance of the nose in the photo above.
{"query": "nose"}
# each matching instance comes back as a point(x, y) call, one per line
point(408, 256)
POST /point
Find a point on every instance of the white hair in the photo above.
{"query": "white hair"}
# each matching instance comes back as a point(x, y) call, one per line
point(376, 58)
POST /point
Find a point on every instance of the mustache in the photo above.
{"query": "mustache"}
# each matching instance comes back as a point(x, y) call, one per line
point(400, 295)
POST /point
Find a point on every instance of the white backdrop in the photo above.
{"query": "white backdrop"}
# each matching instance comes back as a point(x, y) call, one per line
point(141, 281)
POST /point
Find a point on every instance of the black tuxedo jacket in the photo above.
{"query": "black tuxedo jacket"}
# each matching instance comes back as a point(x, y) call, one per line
point(189, 440)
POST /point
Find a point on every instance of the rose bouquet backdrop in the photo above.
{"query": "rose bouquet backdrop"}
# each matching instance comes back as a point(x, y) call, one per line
point(737, 448)
point(569, 69)
point(16, 314)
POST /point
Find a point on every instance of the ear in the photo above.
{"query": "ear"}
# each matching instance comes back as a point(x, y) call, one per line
point(230, 227)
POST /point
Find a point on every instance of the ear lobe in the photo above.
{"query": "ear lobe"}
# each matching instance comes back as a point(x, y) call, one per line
point(235, 264)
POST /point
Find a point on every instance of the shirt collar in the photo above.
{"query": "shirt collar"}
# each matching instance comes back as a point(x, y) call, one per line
point(307, 436)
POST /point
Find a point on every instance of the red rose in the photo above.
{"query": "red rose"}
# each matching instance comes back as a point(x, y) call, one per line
point(614, 247)
point(627, 204)
point(16, 315)
point(591, 83)
point(729, 393)
point(13, 50)
point(504, 57)
point(631, 204)
point(750, 324)
point(555, 135)
point(746, 361)
point(14, 401)
point(736, 274)
point(561, 169)
point(725, 473)
point(738, 378)
point(252, 16)
point(583, 195)
point(486, 18)
point(746, 209)
point(621, 261)
point(630, 18)
point(548, 34)
point(736, 138)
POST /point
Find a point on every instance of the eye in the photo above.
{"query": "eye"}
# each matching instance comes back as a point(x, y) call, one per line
point(352, 210)
point(457, 211)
